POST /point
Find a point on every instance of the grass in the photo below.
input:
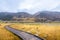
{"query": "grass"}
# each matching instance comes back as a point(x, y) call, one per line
point(47, 31)
point(6, 35)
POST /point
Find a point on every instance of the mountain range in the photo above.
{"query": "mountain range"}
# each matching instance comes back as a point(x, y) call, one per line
point(39, 16)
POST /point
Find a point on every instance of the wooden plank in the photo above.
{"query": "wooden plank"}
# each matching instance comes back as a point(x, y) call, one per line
point(23, 35)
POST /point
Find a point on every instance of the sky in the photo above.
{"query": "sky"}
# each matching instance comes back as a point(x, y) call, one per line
point(30, 6)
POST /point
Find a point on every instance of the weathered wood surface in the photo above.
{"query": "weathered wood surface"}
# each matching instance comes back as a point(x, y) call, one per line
point(22, 34)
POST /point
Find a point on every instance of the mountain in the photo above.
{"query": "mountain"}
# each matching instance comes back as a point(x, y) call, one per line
point(49, 15)
point(41, 16)
point(10, 15)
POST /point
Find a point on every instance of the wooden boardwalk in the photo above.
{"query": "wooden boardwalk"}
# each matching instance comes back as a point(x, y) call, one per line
point(23, 35)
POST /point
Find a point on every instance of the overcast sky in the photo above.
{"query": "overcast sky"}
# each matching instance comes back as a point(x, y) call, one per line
point(30, 6)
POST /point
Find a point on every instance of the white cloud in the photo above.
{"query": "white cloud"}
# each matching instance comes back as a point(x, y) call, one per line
point(31, 6)
point(26, 4)
point(9, 5)
point(36, 5)
point(3, 6)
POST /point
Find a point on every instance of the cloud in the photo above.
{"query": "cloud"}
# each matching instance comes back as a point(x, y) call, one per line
point(26, 4)
point(9, 5)
point(38, 5)
point(30, 6)
point(3, 6)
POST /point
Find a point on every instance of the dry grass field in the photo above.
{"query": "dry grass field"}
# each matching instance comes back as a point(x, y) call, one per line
point(6, 35)
point(47, 31)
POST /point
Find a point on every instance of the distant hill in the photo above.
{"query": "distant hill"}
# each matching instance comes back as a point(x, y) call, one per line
point(41, 16)
point(9, 16)
point(53, 16)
